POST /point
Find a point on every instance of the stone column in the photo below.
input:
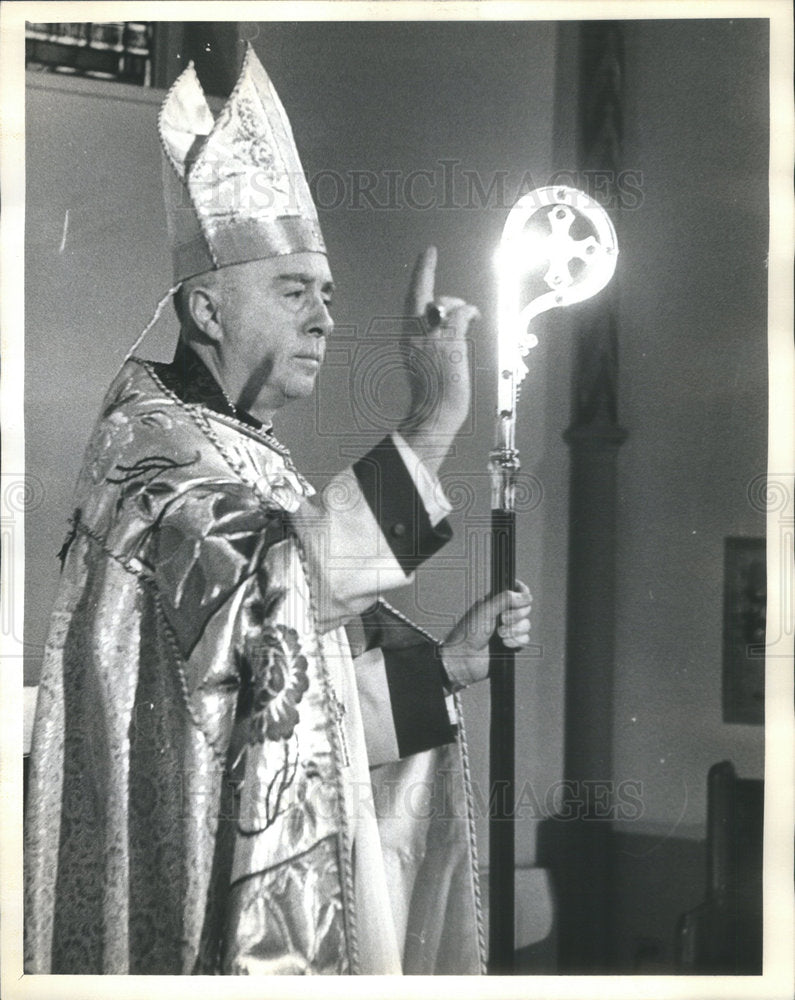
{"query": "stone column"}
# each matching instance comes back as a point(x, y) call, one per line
point(594, 437)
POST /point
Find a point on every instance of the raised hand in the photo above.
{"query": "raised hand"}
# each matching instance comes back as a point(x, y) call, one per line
point(437, 364)
point(465, 652)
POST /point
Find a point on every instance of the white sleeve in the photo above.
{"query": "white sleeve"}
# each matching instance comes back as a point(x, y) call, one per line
point(367, 531)
point(427, 485)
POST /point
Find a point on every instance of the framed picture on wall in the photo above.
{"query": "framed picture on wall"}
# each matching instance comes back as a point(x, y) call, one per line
point(744, 612)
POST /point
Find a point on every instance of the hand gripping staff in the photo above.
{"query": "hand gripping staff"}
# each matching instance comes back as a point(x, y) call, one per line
point(558, 246)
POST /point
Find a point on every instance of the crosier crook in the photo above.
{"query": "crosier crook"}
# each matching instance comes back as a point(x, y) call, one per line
point(521, 250)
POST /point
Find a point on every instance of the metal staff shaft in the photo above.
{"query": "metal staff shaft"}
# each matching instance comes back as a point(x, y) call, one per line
point(503, 468)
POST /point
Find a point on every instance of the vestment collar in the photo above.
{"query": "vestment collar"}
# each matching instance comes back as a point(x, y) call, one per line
point(192, 382)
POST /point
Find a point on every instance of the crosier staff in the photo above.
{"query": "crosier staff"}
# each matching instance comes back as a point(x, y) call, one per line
point(538, 234)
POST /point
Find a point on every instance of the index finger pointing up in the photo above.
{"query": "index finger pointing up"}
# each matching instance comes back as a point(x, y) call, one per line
point(422, 282)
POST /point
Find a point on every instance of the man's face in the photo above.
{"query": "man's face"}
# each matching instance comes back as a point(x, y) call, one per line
point(275, 319)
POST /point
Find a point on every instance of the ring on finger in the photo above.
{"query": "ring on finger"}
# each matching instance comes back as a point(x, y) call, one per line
point(435, 314)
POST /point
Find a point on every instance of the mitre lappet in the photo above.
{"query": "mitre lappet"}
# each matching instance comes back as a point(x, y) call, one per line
point(234, 187)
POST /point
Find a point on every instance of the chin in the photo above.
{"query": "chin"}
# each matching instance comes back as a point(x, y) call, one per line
point(300, 388)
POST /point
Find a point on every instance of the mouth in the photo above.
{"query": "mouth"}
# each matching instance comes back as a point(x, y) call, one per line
point(314, 358)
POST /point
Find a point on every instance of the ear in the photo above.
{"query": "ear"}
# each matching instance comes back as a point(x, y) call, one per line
point(204, 308)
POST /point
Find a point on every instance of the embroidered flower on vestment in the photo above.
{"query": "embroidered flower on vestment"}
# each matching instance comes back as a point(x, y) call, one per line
point(280, 680)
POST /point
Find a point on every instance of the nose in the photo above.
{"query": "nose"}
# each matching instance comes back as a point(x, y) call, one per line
point(320, 322)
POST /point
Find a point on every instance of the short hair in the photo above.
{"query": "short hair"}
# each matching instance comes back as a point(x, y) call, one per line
point(181, 306)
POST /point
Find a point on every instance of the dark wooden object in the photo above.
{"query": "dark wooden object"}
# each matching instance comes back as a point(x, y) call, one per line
point(723, 935)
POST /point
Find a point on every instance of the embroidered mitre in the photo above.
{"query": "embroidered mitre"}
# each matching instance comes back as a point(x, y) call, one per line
point(234, 187)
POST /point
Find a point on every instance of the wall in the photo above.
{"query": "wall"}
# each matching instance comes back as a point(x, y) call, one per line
point(693, 394)
point(96, 264)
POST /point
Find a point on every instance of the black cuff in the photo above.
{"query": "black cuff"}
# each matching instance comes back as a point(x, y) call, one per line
point(390, 492)
point(419, 710)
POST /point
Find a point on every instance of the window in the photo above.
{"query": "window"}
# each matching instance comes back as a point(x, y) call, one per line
point(109, 50)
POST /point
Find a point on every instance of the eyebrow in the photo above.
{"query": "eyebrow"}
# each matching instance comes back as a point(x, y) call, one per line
point(305, 279)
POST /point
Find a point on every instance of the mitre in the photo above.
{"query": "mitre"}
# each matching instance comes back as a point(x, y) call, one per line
point(234, 187)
